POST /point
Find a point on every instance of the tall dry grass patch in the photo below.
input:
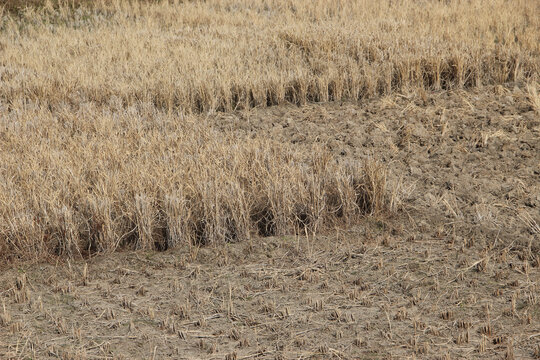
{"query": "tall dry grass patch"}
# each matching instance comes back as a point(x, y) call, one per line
point(101, 146)
point(94, 180)
point(533, 94)
point(201, 56)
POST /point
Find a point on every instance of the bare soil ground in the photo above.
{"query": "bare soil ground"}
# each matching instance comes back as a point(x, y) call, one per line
point(454, 273)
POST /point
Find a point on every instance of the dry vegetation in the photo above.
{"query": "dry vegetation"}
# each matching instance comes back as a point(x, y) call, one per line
point(95, 179)
point(279, 299)
point(404, 225)
point(98, 147)
point(224, 54)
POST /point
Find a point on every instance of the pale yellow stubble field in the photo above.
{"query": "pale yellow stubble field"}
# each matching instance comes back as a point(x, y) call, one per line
point(102, 141)
point(222, 55)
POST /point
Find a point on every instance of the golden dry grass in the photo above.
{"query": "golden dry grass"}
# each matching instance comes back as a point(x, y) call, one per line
point(533, 92)
point(75, 183)
point(455, 274)
point(102, 141)
point(19, 6)
point(230, 54)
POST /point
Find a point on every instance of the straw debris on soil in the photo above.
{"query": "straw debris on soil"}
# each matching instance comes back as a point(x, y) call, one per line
point(237, 179)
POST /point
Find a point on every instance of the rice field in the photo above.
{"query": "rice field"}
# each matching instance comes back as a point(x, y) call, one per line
point(276, 179)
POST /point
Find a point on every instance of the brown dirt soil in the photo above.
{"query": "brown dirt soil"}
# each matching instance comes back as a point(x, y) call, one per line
point(453, 273)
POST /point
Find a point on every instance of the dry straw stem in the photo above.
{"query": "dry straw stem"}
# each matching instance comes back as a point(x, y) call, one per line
point(230, 54)
point(533, 94)
point(78, 182)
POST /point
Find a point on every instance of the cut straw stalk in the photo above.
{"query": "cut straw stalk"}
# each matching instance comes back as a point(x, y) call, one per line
point(99, 180)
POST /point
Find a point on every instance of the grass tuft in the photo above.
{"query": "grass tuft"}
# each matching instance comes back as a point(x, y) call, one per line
point(227, 55)
point(95, 180)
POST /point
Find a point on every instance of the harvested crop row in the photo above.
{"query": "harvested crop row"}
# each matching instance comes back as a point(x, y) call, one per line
point(98, 179)
point(224, 54)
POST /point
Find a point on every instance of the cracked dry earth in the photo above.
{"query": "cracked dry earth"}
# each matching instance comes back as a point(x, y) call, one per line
point(453, 273)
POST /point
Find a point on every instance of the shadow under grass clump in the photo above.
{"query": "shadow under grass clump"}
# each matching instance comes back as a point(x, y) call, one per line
point(263, 219)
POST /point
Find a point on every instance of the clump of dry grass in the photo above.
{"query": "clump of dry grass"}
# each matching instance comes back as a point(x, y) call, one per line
point(99, 148)
point(231, 54)
point(20, 6)
point(533, 94)
point(75, 183)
